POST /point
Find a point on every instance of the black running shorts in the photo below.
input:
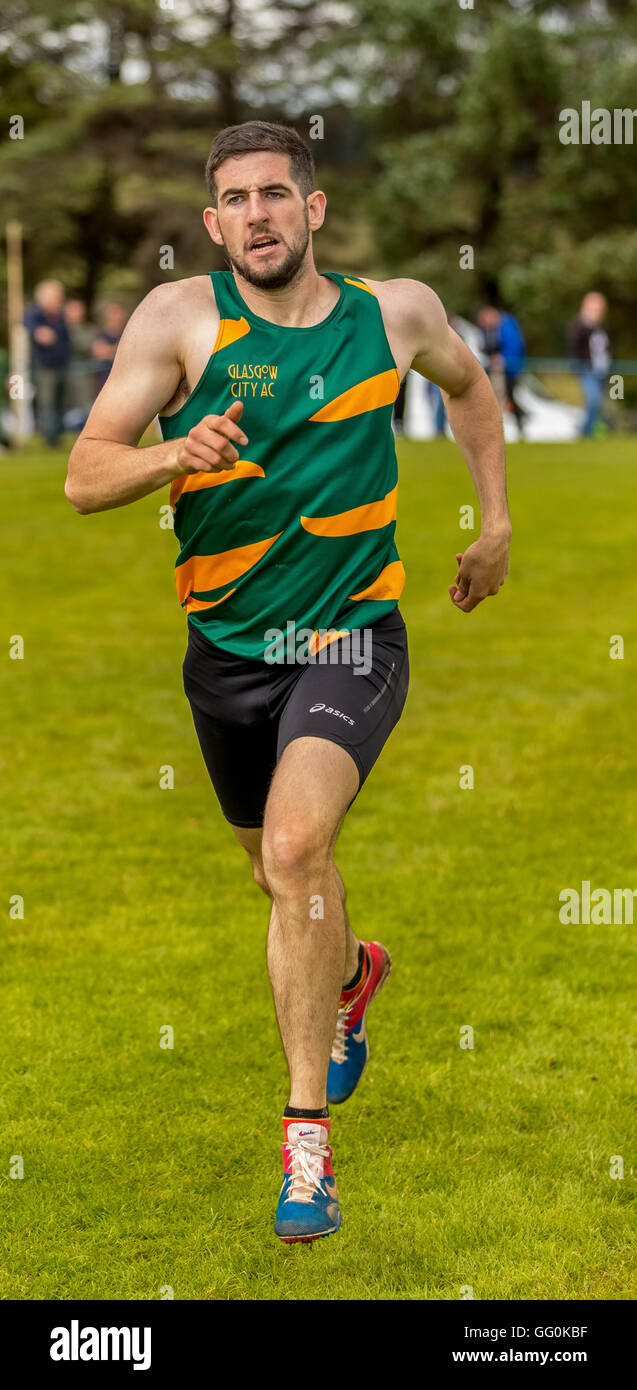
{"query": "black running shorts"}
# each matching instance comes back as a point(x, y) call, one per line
point(246, 712)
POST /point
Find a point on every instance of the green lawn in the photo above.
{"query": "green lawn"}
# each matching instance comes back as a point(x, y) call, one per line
point(489, 1167)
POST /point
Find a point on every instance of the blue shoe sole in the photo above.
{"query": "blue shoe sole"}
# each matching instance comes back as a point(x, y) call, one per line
point(305, 1240)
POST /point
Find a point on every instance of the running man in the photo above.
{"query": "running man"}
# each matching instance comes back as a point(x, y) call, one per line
point(274, 386)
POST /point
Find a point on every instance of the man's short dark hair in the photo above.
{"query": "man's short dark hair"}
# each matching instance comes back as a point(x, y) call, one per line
point(262, 135)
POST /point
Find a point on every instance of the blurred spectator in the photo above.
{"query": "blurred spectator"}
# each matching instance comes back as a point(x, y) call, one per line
point(488, 319)
point(105, 343)
point(81, 388)
point(50, 358)
point(505, 350)
point(398, 417)
point(590, 346)
point(437, 408)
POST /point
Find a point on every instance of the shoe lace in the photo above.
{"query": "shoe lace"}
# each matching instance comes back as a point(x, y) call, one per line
point(339, 1046)
point(307, 1170)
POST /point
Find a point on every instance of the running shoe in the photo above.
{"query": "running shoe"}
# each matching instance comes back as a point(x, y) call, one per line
point(350, 1049)
point(308, 1204)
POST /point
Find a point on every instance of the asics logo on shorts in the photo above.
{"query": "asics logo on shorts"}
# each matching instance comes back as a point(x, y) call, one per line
point(329, 709)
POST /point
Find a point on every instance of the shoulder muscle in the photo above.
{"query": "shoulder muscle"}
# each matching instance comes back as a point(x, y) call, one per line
point(148, 364)
point(416, 319)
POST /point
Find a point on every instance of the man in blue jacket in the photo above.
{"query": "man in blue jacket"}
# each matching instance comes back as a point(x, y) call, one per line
point(50, 357)
point(505, 348)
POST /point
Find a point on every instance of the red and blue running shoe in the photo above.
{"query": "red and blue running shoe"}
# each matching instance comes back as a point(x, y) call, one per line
point(350, 1049)
point(308, 1205)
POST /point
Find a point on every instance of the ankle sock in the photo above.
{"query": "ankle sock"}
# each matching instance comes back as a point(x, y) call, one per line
point(356, 978)
point(291, 1113)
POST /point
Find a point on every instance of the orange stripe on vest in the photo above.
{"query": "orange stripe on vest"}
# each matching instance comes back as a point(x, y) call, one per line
point(204, 572)
point(366, 395)
point(389, 584)
point(370, 517)
point(229, 331)
point(194, 482)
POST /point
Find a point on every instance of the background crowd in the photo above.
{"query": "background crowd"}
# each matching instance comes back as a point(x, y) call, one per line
point(437, 134)
point(502, 352)
point(71, 357)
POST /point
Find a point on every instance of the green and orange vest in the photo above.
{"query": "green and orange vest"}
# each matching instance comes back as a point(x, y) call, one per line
point(302, 529)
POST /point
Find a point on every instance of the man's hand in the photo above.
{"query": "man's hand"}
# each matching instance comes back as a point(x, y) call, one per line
point(44, 335)
point(104, 351)
point(208, 448)
point(482, 571)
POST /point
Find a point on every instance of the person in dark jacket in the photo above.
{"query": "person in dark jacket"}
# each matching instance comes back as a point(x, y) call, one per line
point(107, 339)
point(505, 348)
point(50, 357)
point(590, 348)
point(81, 390)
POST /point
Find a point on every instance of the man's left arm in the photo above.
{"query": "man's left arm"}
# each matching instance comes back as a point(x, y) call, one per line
point(474, 415)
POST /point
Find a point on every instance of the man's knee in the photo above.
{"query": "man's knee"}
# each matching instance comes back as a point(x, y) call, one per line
point(292, 852)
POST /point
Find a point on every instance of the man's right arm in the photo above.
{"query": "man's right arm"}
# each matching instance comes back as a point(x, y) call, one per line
point(106, 469)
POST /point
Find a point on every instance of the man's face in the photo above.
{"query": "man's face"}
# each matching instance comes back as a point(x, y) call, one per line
point(261, 218)
point(594, 307)
point(50, 297)
point(488, 317)
point(113, 318)
point(75, 311)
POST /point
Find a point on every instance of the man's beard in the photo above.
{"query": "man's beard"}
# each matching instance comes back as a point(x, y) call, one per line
point(274, 277)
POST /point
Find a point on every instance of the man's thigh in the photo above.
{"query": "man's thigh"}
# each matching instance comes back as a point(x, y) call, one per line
point(334, 723)
point(314, 784)
point(240, 761)
point(229, 700)
point(338, 704)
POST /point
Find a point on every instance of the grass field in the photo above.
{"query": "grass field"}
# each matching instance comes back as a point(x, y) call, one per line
point(486, 1167)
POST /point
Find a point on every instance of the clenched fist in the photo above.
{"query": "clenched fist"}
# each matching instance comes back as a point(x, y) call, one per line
point(482, 570)
point(207, 448)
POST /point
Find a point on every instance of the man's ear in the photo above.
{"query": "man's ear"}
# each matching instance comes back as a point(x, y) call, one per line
point(316, 203)
point(211, 223)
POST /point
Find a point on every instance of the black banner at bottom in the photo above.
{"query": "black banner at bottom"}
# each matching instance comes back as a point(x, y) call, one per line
point(154, 1341)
